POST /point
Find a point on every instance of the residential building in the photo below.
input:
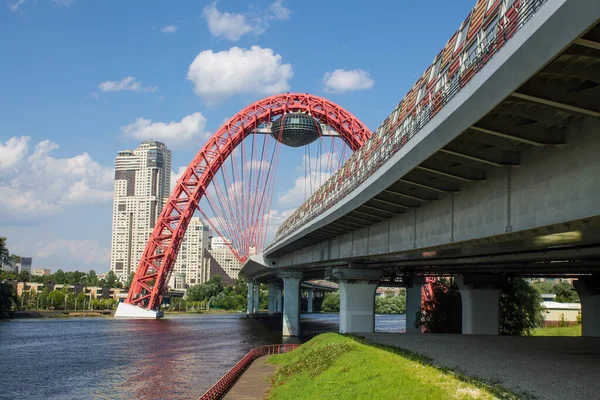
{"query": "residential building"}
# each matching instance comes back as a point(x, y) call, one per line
point(40, 271)
point(94, 292)
point(218, 242)
point(226, 260)
point(141, 189)
point(25, 264)
point(191, 263)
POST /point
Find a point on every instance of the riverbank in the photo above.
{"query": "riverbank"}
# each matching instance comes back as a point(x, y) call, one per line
point(61, 314)
point(335, 366)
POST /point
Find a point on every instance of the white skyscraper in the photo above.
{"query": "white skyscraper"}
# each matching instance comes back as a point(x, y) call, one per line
point(226, 260)
point(142, 184)
point(190, 259)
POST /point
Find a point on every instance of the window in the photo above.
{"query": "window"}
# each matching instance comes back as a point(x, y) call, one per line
point(458, 40)
point(490, 4)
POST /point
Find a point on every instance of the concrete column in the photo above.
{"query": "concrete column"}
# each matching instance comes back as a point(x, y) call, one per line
point(279, 300)
point(480, 303)
point(310, 300)
point(272, 297)
point(256, 296)
point(589, 295)
point(357, 298)
point(291, 305)
point(413, 303)
point(250, 309)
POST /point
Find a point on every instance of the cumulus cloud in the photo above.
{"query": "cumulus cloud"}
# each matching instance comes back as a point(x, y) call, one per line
point(129, 84)
point(175, 134)
point(175, 176)
point(342, 80)
point(218, 76)
point(13, 151)
point(169, 29)
point(74, 251)
point(303, 188)
point(233, 26)
point(38, 185)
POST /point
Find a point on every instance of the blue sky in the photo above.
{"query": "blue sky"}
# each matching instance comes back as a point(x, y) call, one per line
point(83, 79)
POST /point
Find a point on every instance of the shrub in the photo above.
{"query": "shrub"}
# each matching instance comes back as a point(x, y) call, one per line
point(331, 303)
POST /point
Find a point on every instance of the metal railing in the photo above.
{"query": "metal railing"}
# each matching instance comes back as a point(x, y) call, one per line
point(218, 390)
point(389, 138)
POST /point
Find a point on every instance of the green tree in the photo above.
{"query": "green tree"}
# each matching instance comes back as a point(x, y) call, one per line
point(390, 304)
point(543, 287)
point(91, 279)
point(24, 276)
point(8, 300)
point(331, 302)
point(111, 279)
point(56, 300)
point(59, 276)
point(520, 308)
point(130, 280)
point(565, 292)
point(4, 253)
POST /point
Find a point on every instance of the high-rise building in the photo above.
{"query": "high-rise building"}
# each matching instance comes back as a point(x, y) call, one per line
point(25, 264)
point(142, 184)
point(190, 259)
point(218, 242)
point(226, 260)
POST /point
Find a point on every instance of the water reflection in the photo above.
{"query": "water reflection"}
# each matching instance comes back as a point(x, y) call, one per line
point(177, 357)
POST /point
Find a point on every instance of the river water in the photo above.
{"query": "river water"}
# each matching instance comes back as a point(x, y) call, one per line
point(177, 357)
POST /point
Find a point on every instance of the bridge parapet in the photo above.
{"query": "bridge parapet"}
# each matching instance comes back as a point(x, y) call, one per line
point(481, 35)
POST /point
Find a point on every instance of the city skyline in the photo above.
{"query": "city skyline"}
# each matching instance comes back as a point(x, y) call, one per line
point(120, 95)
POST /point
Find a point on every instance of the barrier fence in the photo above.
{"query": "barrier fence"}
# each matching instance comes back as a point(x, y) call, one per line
point(218, 390)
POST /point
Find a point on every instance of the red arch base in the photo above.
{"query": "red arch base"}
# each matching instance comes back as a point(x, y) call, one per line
point(152, 275)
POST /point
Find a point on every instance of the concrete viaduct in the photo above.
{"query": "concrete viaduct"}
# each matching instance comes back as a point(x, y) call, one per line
point(501, 179)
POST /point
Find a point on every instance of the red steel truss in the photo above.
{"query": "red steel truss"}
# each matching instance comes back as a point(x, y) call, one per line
point(152, 275)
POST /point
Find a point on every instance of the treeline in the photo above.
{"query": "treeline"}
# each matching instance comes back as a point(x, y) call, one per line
point(62, 299)
point(564, 291)
point(67, 278)
point(214, 295)
point(388, 304)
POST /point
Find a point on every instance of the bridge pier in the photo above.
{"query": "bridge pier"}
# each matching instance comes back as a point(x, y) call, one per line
point(250, 299)
point(357, 299)
point(279, 300)
point(256, 295)
point(291, 305)
point(309, 294)
point(589, 295)
point(413, 303)
point(480, 296)
point(272, 297)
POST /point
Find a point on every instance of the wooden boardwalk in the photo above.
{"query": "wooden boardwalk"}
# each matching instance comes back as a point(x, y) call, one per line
point(254, 383)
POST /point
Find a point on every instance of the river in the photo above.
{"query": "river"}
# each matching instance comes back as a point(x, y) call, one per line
point(177, 357)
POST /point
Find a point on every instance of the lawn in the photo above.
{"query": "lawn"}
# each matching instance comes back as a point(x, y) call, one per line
point(332, 366)
point(574, 330)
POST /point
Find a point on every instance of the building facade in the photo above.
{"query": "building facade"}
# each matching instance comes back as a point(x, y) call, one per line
point(226, 260)
point(141, 189)
point(218, 242)
point(25, 264)
point(40, 272)
point(191, 262)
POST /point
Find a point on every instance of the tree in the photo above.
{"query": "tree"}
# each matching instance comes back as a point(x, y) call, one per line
point(59, 276)
point(8, 300)
point(390, 304)
point(543, 287)
point(331, 303)
point(565, 292)
point(111, 279)
point(130, 280)
point(91, 278)
point(56, 299)
point(4, 253)
point(520, 308)
point(24, 276)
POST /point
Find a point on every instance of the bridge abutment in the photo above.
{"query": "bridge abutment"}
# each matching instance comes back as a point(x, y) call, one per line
point(413, 303)
point(291, 305)
point(480, 303)
point(589, 295)
point(357, 299)
point(250, 308)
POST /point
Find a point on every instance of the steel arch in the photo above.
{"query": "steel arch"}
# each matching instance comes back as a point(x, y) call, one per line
point(151, 278)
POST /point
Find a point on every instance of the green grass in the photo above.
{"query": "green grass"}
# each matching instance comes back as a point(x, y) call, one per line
point(332, 366)
point(574, 330)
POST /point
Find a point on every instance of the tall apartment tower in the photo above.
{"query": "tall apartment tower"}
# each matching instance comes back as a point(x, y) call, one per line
point(142, 184)
point(191, 262)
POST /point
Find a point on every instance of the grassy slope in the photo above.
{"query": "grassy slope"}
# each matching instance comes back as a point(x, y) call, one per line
point(333, 366)
point(574, 330)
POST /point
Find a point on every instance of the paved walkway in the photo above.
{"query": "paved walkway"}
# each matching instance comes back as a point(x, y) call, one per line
point(553, 368)
point(254, 383)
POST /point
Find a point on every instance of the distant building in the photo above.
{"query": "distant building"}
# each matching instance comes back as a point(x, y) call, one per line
point(25, 264)
point(556, 313)
point(191, 263)
point(141, 189)
point(227, 261)
point(219, 242)
point(93, 292)
point(9, 267)
point(40, 271)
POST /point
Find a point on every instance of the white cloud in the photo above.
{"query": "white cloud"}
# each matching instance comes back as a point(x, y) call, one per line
point(302, 190)
point(218, 76)
point(126, 84)
point(13, 151)
point(169, 29)
point(15, 6)
point(257, 165)
point(233, 26)
point(41, 185)
point(175, 176)
point(342, 80)
point(189, 131)
point(74, 251)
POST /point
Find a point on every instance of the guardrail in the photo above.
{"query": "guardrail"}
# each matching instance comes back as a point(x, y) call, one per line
point(394, 133)
point(218, 390)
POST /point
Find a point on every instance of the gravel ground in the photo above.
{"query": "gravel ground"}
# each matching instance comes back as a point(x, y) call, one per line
point(553, 368)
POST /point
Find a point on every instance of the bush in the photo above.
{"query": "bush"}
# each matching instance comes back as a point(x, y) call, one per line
point(331, 303)
point(390, 304)
point(520, 309)
point(8, 300)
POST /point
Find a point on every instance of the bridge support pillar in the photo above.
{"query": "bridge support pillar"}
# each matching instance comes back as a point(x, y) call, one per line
point(291, 305)
point(413, 302)
point(589, 295)
point(480, 296)
point(272, 297)
point(310, 300)
point(250, 309)
point(256, 301)
point(357, 298)
point(279, 300)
